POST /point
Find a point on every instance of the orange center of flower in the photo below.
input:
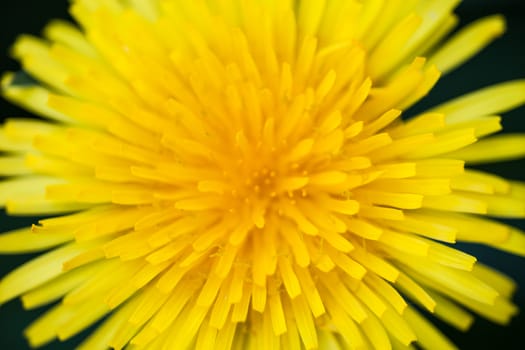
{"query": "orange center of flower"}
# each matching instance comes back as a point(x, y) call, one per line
point(272, 144)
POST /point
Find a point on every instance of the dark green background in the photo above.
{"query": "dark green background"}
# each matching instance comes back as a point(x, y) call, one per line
point(503, 60)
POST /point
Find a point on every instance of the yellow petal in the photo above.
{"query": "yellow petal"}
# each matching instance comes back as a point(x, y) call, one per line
point(494, 149)
point(491, 100)
point(427, 335)
point(468, 42)
point(37, 271)
point(27, 240)
point(33, 98)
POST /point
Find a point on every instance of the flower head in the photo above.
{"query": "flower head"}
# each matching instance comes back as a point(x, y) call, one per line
point(237, 174)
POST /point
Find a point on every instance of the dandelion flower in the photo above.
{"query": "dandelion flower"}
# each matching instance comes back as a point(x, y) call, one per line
point(237, 175)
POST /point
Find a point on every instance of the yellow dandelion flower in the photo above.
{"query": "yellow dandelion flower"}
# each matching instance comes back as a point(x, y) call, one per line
point(237, 175)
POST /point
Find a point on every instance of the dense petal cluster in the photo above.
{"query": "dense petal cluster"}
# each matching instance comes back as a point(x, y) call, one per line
point(237, 174)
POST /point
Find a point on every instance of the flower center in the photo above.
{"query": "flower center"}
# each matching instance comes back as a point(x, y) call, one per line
point(261, 180)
